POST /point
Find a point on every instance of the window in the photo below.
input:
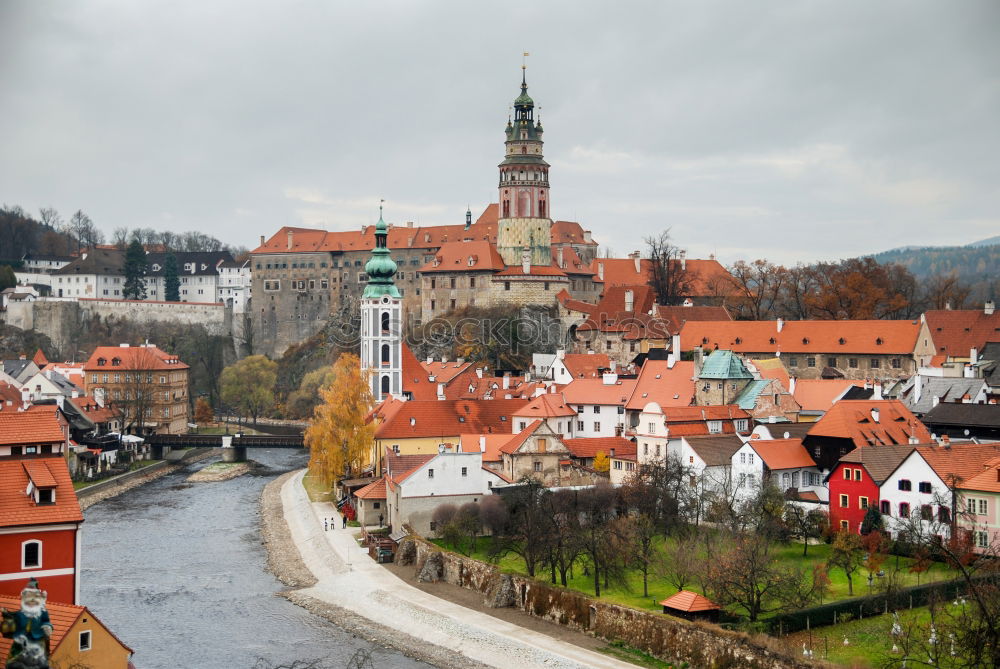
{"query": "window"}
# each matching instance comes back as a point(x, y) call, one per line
point(810, 362)
point(741, 424)
point(847, 474)
point(886, 508)
point(926, 513)
point(793, 362)
point(537, 466)
point(506, 285)
point(714, 426)
point(925, 487)
point(862, 502)
point(46, 496)
point(433, 526)
point(944, 514)
point(743, 458)
point(874, 363)
point(904, 510)
point(657, 450)
point(652, 428)
point(85, 640)
point(597, 409)
point(430, 473)
point(844, 502)
point(982, 539)
point(904, 484)
point(521, 425)
point(896, 363)
point(844, 525)
point(831, 362)
point(857, 474)
point(597, 427)
point(852, 363)
point(579, 426)
point(31, 554)
point(465, 471)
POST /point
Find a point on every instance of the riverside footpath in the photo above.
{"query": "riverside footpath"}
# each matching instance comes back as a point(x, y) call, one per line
point(348, 581)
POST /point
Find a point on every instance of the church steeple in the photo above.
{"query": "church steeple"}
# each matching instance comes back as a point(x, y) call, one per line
point(381, 331)
point(381, 269)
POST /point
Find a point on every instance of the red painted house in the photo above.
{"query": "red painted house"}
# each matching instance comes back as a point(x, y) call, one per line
point(855, 480)
point(40, 521)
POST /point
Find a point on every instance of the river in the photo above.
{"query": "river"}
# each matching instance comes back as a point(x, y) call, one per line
point(177, 571)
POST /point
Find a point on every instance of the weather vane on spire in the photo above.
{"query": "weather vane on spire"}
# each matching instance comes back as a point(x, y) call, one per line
point(380, 203)
point(524, 62)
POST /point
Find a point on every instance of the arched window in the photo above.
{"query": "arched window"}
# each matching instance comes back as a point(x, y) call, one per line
point(385, 321)
point(31, 554)
point(541, 208)
point(786, 480)
point(385, 384)
point(385, 354)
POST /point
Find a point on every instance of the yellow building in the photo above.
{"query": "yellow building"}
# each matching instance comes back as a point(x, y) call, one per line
point(78, 638)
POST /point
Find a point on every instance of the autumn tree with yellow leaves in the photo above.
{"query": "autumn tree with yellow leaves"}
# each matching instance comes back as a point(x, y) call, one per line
point(602, 463)
point(339, 437)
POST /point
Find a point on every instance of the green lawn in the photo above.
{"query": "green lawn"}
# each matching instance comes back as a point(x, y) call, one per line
point(659, 589)
point(316, 490)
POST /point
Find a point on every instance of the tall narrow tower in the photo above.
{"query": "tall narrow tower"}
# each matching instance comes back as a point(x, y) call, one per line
point(524, 187)
point(381, 325)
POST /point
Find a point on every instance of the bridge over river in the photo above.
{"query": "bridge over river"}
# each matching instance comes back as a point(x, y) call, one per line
point(234, 446)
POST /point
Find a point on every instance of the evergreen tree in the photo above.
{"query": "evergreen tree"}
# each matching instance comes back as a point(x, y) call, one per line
point(172, 285)
point(872, 522)
point(7, 277)
point(136, 267)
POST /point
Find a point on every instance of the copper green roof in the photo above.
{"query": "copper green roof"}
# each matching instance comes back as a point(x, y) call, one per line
point(722, 364)
point(381, 268)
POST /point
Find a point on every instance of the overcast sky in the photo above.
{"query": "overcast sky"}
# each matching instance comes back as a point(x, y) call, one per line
point(791, 130)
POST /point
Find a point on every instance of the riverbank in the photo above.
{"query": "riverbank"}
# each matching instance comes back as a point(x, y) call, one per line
point(222, 471)
point(354, 590)
point(112, 487)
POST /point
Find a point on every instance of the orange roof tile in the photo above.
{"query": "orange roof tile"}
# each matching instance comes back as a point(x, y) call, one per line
point(782, 453)
point(589, 447)
point(987, 480)
point(595, 391)
point(131, 357)
point(533, 270)
point(955, 331)
point(574, 305)
point(511, 445)
point(415, 376)
point(39, 474)
point(853, 419)
point(470, 443)
point(62, 616)
point(815, 336)
point(40, 425)
point(490, 387)
point(664, 385)
point(546, 406)
point(677, 316)
point(571, 261)
point(374, 490)
point(444, 372)
point(959, 462)
point(704, 277)
point(689, 602)
point(470, 256)
point(821, 394)
point(19, 509)
point(40, 359)
point(444, 418)
point(583, 365)
point(772, 368)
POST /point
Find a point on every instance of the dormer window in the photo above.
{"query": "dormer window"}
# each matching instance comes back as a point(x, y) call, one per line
point(842, 341)
point(805, 340)
point(115, 362)
point(45, 496)
point(101, 362)
point(878, 341)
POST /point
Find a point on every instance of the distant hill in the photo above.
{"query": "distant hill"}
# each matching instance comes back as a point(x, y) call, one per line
point(992, 241)
point(977, 264)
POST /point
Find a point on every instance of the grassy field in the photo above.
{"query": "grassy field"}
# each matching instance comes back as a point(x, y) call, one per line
point(316, 490)
point(630, 594)
point(869, 640)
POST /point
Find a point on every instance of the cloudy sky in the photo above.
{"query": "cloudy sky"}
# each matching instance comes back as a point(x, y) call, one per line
point(790, 130)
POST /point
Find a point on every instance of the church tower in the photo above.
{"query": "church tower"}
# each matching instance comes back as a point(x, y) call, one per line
point(524, 188)
point(381, 324)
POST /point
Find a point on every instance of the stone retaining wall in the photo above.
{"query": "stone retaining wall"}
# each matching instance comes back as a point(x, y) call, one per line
point(99, 487)
point(671, 639)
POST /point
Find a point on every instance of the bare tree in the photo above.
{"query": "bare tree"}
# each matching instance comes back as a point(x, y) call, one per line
point(119, 237)
point(669, 276)
point(50, 218)
point(681, 561)
point(759, 285)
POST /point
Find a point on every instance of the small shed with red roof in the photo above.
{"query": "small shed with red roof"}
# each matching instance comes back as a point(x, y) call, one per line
point(691, 606)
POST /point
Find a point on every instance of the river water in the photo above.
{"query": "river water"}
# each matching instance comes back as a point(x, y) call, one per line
point(177, 571)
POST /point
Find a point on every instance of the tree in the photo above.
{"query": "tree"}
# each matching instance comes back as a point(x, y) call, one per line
point(561, 517)
point(136, 268)
point(602, 463)
point(876, 547)
point(203, 413)
point(340, 435)
point(7, 277)
point(468, 523)
point(668, 274)
point(639, 531)
point(946, 291)
point(248, 385)
point(493, 511)
point(171, 283)
point(598, 536)
point(872, 522)
point(758, 286)
point(681, 561)
point(301, 402)
point(845, 554)
point(119, 237)
point(139, 383)
point(528, 530)
point(806, 524)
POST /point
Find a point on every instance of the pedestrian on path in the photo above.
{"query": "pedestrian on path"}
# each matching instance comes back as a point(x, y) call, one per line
point(345, 521)
point(326, 524)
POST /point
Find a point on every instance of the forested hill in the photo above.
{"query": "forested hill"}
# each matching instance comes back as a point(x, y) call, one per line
point(975, 265)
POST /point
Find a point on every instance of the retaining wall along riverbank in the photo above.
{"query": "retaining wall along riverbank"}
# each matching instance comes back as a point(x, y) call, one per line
point(116, 485)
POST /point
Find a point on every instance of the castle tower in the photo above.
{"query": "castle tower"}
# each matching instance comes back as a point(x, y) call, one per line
point(381, 324)
point(524, 187)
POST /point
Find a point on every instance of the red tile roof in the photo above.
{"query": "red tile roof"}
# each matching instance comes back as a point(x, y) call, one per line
point(40, 359)
point(62, 617)
point(689, 602)
point(445, 418)
point(582, 365)
point(469, 443)
point(571, 261)
point(490, 387)
point(11, 394)
point(988, 480)
point(772, 368)
point(374, 490)
point(415, 377)
point(611, 315)
point(40, 425)
point(712, 412)
point(574, 305)
point(676, 316)
point(782, 453)
point(704, 277)
point(589, 447)
point(595, 391)
point(514, 443)
point(955, 331)
point(399, 467)
point(548, 405)
point(132, 357)
point(853, 419)
point(815, 336)
point(444, 372)
point(666, 386)
point(19, 509)
point(821, 394)
point(471, 256)
point(533, 270)
point(959, 462)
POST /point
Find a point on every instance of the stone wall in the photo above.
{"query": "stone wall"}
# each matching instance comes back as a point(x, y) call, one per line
point(699, 645)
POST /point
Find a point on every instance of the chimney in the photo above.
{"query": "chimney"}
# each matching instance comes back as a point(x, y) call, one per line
point(875, 414)
point(527, 377)
point(791, 384)
point(506, 381)
point(409, 224)
point(675, 344)
point(614, 366)
point(609, 379)
point(780, 324)
point(877, 390)
point(635, 259)
point(430, 359)
point(99, 396)
point(562, 259)
point(440, 395)
point(262, 240)
point(684, 262)
point(444, 359)
point(629, 300)
point(561, 354)
point(482, 443)
point(973, 355)
point(479, 372)
point(935, 401)
point(460, 361)
point(989, 307)
point(917, 387)
point(671, 360)
point(291, 239)
point(611, 452)
point(947, 305)
point(600, 271)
